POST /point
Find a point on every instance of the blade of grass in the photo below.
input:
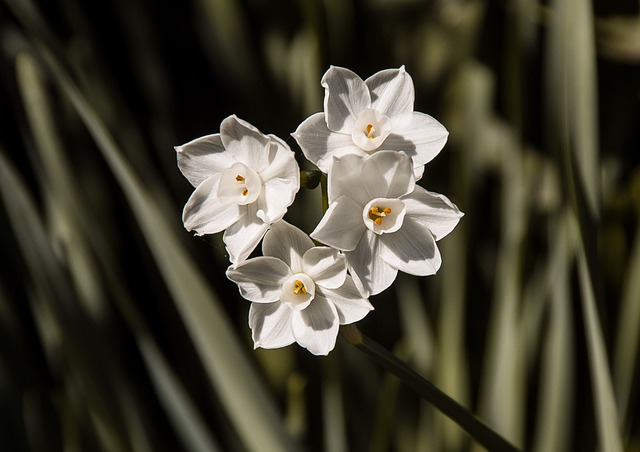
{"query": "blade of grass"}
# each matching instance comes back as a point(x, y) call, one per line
point(67, 207)
point(418, 333)
point(249, 406)
point(419, 337)
point(333, 415)
point(60, 195)
point(553, 425)
point(572, 106)
point(386, 409)
point(76, 348)
point(451, 371)
point(627, 341)
point(575, 96)
point(572, 112)
point(606, 412)
point(479, 431)
point(502, 398)
point(189, 426)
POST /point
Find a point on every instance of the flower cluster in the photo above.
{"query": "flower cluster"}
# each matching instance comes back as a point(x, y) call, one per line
point(372, 147)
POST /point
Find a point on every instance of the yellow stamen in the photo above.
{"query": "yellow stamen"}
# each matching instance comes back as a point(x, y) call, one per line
point(298, 286)
point(239, 178)
point(370, 131)
point(375, 214)
point(245, 192)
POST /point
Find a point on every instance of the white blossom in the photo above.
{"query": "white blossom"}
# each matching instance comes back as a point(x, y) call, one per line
point(299, 292)
point(382, 220)
point(244, 182)
point(362, 117)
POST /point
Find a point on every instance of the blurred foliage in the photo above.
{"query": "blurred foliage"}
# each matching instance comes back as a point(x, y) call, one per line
point(118, 330)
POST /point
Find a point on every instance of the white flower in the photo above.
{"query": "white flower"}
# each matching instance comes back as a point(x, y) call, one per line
point(361, 117)
point(382, 220)
point(299, 292)
point(244, 182)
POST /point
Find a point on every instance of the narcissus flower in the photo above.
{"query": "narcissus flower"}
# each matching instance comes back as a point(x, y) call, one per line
point(362, 117)
point(244, 182)
point(382, 220)
point(299, 292)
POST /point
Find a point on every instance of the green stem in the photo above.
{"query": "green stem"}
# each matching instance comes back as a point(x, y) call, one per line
point(449, 407)
point(325, 196)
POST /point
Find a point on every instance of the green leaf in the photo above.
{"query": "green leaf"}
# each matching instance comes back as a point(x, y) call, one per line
point(242, 394)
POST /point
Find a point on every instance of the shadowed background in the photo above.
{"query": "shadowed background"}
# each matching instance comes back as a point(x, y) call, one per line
point(118, 329)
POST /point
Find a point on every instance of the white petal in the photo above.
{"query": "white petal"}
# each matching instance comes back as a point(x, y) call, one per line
point(260, 279)
point(287, 243)
point(277, 195)
point(326, 163)
point(371, 274)
point(433, 211)
point(280, 162)
point(388, 174)
point(244, 142)
point(319, 144)
point(326, 266)
point(271, 325)
point(412, 249)
point(345, 95)
point(392, 91)
point(351, 305)
point(203, 157)
point(242, 237)
point(204, 211)
point(345, 179)
point(418, 135)
point(418, 171)
point(316, 328)
point(341, 226)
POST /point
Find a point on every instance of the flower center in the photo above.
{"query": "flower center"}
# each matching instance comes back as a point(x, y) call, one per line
point(298, 287)
point(297, 291)
point(239, 184)
point(370, 129)
point(376, 214)
point(384, 215)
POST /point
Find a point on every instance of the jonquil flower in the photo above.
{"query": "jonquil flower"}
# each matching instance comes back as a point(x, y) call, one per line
point(382, 220)
point(244, 182)
point(361, 117)
point(299, 292)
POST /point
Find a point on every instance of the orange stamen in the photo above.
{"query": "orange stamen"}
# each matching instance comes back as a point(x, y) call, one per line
point(376, 215)
point(370, 131)
point(298, 287)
